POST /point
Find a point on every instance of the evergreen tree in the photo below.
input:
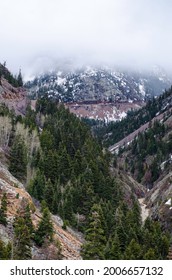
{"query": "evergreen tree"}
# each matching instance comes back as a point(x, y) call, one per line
point(22, 240)
point(133, 251)
point(113, 248)
point(94, 247)
point(49, 194)
point(20, 79)
point(28, 220)
point(37, 186)
point(3, 210)
point(45, 228)
point(149, 255)
point(5, 251)
point(18, 158)
point(2, 250)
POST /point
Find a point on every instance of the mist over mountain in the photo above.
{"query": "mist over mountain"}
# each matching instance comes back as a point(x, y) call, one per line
point(122, 32)
point(63, 190)
point(86, 130)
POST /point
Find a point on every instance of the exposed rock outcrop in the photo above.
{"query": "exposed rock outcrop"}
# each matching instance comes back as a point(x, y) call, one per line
point(16, 195)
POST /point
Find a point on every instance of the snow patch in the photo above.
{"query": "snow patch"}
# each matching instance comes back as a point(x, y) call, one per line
point(142, 89)
point(168, 202)
point(122, 115)
point(61, 81)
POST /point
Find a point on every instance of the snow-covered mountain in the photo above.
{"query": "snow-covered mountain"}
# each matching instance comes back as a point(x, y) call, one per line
point(99, 84)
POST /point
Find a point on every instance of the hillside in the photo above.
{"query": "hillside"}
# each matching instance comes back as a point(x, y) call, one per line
point(146, 154)
point(17, 196)
point(73, 200)
point(116, 133)
point(103, 93)
point(72, 84)
point(11, 91)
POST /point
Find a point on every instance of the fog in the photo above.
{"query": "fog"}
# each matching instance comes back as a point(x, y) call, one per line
point(35, 34)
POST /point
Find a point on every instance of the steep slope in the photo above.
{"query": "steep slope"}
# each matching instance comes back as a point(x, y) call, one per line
point(53, 153)
point(99, 84)
point(111, 134)
point(16, 196)
point(146, 154)
point(159, 202)
point(11, 92)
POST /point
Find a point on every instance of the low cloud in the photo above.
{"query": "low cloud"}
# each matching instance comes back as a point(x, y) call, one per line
point(36, 33)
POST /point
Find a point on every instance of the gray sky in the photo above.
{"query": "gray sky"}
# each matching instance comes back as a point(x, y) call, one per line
point(34, 33)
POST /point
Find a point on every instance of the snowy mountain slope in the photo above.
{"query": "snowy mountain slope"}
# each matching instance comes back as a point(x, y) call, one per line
point(99, 84)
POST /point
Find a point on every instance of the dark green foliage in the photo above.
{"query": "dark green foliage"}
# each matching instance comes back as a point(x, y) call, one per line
point(3, 210)
point(115, 131)
point(18, 158)
point(5, 251)
point(94, 248)
point(73, 179)
point(4, 72)
point(133, 251)
point(20, 79)
point(28, 220)
point(23, 233)
point(153, 238)
point(37, 186)
point(4, 111)
point(49, 194)
point(147, 152)
point(30, 118)
point(113, 248)
point(22, 240)
point(45, 228)
point(73, 164)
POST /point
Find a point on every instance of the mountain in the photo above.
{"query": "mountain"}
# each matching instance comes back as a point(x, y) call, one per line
point(64, 196)
point(102, 93)
point(146, 153)
point(99, 84)
point(116, 134)
point(11, 91)
point(17, 197)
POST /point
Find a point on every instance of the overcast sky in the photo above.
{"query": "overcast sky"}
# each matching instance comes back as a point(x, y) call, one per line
point(33, 33)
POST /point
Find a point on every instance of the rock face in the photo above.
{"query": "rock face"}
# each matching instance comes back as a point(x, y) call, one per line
point(70, 242)
point(14, 98)
point(159, 202)
point(106, 111)
point(144, 209)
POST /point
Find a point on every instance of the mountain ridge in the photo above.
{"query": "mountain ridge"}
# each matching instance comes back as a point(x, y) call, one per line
point(54, 154)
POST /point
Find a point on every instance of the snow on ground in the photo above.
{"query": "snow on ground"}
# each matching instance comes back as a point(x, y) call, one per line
point(142, 89)
point(122, 115)
point(168, 202)
point(61, 81)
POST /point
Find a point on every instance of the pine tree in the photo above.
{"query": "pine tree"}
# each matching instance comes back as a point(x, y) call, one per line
point(3, 210)
point(20, 79)
point(2, 250)
point(49, 194)
point(133, 251)
point(18, 158)
point(45, 228)
point(22, 240)
point(68, 208)
point(37, 186)
point(27, 218)
point(95, 244)
point(113, 250)
point(149, 255)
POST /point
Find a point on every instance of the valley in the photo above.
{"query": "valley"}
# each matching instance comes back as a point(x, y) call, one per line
point(87, 193)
